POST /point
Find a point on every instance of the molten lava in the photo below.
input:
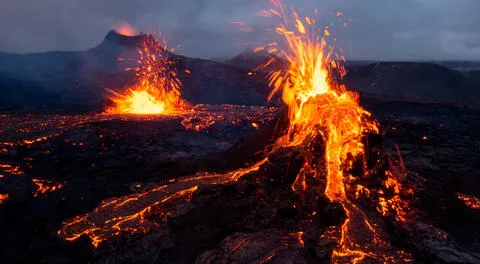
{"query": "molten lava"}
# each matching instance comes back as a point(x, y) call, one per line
point(317, 109)
point(157, 90)
point(469, 200)
point(130, 214)
point(45, 186)
point(317, 106)
point(3, 198)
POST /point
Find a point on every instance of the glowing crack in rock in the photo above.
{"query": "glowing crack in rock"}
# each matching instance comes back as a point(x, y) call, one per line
point(318, 106)
point(130, 214)
point(469, 200)
point(45, 186)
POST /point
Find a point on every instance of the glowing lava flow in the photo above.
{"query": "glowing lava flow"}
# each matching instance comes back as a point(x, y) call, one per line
point(469, 200)
point(158, 87)
point(319, 107)
point(45, 186)
point(130, 214)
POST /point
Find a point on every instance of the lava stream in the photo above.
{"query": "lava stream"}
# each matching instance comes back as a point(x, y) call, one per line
point(469, 200)
point(318, 106)
point(129, 214)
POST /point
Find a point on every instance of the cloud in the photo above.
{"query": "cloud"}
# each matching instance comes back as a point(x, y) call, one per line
point(380, 29)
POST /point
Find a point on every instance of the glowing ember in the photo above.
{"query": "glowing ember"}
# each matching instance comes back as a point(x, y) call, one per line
point(319, 107)
point(44, 186)
point(123, 28)
point(3, 198)
point(10, 169)
point(158, 87)
point(469, 200)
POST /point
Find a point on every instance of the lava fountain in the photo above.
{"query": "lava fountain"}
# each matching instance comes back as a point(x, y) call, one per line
point(157, 89)
point(320, 113)
point(319, 106)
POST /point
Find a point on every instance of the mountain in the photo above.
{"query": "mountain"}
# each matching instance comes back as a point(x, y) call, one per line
point(252, 60)
point(407, 81)
point(76, 81)
point(413, 81)
point(463, 66)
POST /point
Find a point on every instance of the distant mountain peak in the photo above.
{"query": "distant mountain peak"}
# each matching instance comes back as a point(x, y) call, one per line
point(113, 37)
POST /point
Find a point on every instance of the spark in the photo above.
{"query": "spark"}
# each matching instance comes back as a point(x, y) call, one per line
point(319, 106)
point(157, 90)
point(469, 200)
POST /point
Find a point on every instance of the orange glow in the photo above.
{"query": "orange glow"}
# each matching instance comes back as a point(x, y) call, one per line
point(137, 102)
point(129, 214)
point(158, 87)
point(469, 200)
point(318, 106)
point(393, 203)
point(258, 49)
point(116, 216)
point(123, 28)
point(44, 186)
point(314, 102)
point(3, 198)
point(300, 239)
point(10, 169)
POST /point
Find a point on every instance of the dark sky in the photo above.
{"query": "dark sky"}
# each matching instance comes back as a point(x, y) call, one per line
point(380, 29)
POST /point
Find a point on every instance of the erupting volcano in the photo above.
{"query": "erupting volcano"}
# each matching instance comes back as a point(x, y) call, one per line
point(321, 115)
point(157, 89)
point(323, 175)
point(318, 107)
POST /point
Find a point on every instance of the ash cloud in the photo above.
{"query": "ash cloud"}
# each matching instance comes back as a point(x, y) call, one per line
point(380, 29)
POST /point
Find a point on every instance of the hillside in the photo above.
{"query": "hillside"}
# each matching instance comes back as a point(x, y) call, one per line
point(409, 81)
point(253, 60)
point(77, 80)
point(414, 82)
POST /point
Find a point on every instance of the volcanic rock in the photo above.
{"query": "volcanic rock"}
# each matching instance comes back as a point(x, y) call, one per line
point(258, 209)
point(268, 246)
point(253, 60)
point(404, 81)
point(76, 81)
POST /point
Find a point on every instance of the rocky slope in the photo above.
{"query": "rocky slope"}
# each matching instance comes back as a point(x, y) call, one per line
point(405, 81)
point(77, 80)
